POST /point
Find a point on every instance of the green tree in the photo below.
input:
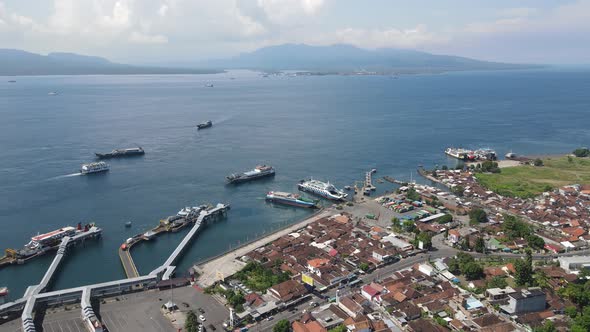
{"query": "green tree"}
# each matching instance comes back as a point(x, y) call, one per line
point(447, 218)
point(364, 266)
point(454, 266)
point(477, 216)
point(191, 324)
point(582, 152)
point(282, 326)
point(426, 239)
point(339, 328)
point(535, 242)
point(524, 270)
point(409, 226)
point(571, 311)
point(472, 271)
point(541, 279)
point(497, 282)
point(548, 326)
point(445, 168)
point(412, 194)
point(513, 227)
point(538, 162)
point(480, 245)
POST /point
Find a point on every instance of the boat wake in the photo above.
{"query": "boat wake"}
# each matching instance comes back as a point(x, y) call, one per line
point(222, 120)
point(64, 176)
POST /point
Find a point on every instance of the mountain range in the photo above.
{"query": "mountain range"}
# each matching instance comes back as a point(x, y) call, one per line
point(322, 59)
point(347, 58)
point(17, 62)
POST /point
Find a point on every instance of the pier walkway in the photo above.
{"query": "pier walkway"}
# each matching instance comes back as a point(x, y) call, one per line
point(127, 261)
point(228, 264)
point(204, 216)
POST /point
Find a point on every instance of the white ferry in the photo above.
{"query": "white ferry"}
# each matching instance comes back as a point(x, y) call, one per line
point(97, 167)
point(322, 189)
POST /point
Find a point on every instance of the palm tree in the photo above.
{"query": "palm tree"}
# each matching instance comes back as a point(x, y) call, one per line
point(541, 279)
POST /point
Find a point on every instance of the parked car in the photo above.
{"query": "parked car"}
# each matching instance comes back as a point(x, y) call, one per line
point(270, 318)
point(201, 310)
point(202, 318)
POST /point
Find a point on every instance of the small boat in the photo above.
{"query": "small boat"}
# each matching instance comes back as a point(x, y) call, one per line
point(52, 93)
point(209, 85)
point(347, 187)
point(128, 224)
point(205, 125)
point(12, 81)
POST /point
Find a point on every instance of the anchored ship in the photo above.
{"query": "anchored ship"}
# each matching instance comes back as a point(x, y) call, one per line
point(471, 155)
point(323, 189)
point(290, 199)
point(42, 243)
point(259, 172)
point(204, 125)
point(138, 151)
point(97, 167)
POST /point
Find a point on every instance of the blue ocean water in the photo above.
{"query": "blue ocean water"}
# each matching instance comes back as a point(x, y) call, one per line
point(329, 127)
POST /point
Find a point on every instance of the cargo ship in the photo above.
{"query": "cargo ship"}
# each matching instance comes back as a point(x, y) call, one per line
point(461, 154)
point(471, 155)
point(117, 153)
point(291, 199)
point(257, 173)
point(97, 167)
point(42, 243)
point(322, 189)
point(204, 125)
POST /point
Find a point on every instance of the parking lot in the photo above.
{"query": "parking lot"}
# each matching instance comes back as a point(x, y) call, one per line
point(139, 312)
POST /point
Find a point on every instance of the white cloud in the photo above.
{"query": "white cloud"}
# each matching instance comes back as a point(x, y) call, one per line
point(141, 38)
point(386, 38)
point(518, 12)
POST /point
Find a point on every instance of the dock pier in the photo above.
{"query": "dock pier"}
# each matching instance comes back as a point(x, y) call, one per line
point(199, 217)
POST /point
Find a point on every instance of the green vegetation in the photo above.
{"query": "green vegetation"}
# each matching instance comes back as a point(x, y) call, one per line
point(260, 278)
point(578, 293)
point(447, 218)
point(497, 282)
point(339, 328)
point(529, 181)
point(535, 242)
point(489, 166)
point(364, 266)
point(465, 264)
point(282, 326)
point(191, 324)
point(426, 239)
point(582, 152)
point(524, 270)
point(480, 245)
point(477, 216)
point(412, 194)
point(548, 326)
point(514, 228)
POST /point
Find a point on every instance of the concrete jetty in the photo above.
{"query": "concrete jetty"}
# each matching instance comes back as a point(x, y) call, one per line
point(228, 263)
point(198, 216)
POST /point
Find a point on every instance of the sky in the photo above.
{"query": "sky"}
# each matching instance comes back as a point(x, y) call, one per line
point(185, 31)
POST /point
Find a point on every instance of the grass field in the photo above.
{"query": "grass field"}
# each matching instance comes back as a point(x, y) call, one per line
point(529, 181)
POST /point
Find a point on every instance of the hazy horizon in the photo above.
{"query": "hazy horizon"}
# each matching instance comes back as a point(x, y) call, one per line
point(183, 31)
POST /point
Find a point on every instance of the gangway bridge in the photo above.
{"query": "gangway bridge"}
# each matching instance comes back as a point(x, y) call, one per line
point(36, 295)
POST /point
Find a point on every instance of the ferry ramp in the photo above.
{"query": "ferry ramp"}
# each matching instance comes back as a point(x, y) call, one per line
point(127, 261)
